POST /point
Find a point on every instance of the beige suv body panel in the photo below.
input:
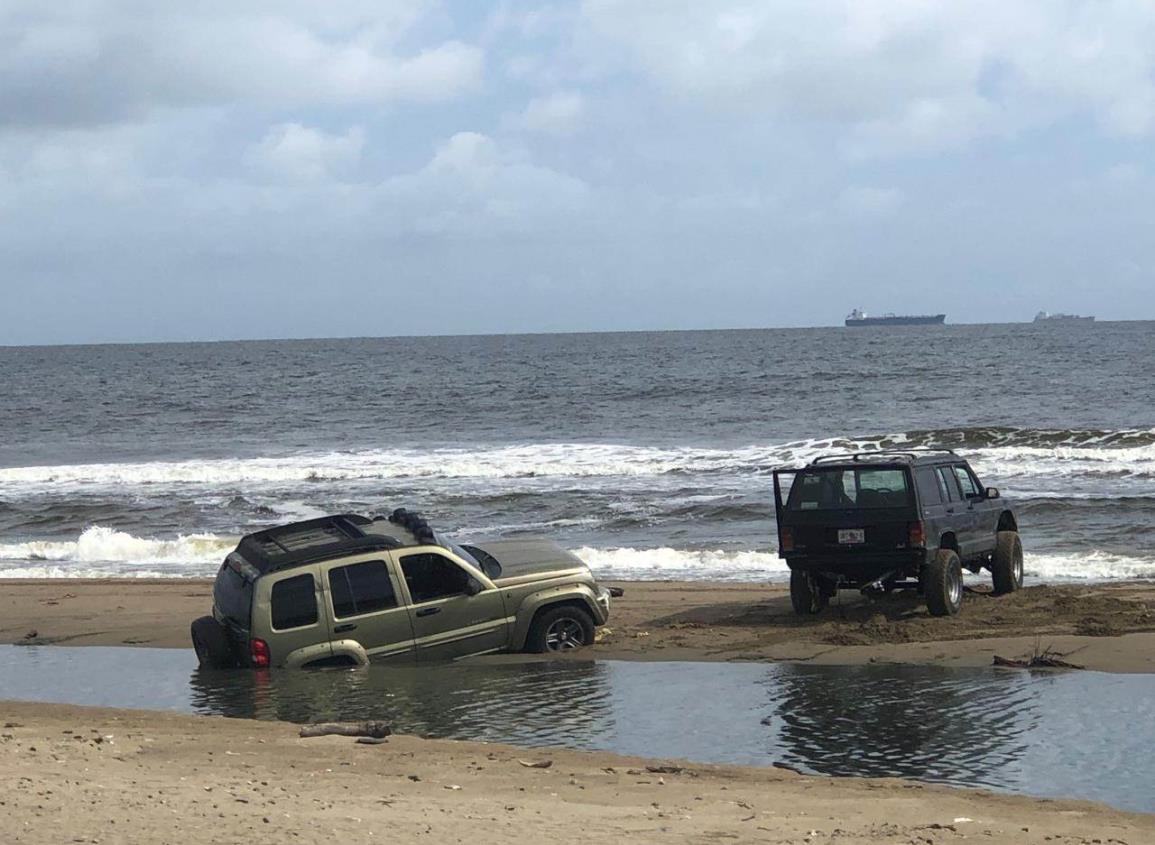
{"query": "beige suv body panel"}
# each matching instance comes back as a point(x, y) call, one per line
point(497, 617)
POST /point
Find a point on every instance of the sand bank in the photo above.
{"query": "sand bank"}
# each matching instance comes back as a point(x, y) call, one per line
point(1108, 627)
point(74, 774)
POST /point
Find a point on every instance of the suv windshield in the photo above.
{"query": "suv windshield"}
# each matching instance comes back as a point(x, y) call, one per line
point(839, 488)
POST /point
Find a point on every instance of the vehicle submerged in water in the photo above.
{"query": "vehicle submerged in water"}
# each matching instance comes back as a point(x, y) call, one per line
point(889, 519)
point(861, 318)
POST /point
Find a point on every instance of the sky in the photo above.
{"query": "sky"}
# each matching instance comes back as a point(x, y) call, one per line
point(220, 170)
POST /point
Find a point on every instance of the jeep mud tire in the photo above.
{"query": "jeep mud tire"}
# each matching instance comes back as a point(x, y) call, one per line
point(1007, 563)
point(211, 644)
point(806, 596)
point(562, 628)
point(942, 584)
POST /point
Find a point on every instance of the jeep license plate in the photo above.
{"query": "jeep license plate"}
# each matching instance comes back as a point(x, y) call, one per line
point(851, 536)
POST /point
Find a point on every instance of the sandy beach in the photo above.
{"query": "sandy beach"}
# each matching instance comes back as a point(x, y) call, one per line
point(1107, 627)
point(74, 774)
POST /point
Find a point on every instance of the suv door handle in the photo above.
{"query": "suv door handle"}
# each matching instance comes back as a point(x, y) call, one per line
point(428, 611)
point(340, 629)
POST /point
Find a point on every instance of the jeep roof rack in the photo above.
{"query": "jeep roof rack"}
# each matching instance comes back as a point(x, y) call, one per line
point(312, 540)
point(910, 454)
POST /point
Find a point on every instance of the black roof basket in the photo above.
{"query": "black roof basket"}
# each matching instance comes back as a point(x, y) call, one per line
point(311, 540)
point(910, 453)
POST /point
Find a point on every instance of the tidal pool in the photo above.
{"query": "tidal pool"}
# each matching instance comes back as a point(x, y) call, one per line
point(1078, 734)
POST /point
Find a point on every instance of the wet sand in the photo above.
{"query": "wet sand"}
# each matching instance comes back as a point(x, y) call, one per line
point(1108, 627)
point(74, 774)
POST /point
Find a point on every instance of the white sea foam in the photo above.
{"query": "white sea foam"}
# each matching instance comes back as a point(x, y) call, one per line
point(559, 460)
point(101, 552)
point(99, 544)
point(683, 565)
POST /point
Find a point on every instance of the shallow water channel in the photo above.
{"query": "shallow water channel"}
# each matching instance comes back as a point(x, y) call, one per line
point(1077, 734)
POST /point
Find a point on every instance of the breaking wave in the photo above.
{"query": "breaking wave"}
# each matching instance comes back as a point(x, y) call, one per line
point(101, 552)
point(121, 552)
point(1003, 452)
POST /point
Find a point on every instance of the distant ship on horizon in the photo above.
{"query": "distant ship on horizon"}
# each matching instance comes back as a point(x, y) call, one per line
point(861, 318)
point(1047, 317)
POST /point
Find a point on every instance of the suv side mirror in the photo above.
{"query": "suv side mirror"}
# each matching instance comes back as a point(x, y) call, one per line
point(472, 587)
point(992, 492)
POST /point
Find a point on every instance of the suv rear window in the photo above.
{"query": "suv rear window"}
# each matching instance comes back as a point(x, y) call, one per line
point(294, 603)
point(361, 588)
point(839, 488)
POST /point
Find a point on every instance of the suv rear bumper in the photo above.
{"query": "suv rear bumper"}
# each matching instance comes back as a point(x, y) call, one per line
point(859, 569)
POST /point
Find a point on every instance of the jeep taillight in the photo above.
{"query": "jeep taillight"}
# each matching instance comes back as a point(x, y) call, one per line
point(787, 534)
point(259, 653)
point(916, 535)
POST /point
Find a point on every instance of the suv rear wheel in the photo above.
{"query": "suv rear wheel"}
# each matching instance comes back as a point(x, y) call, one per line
point(1007, 563)
point(211, 644)
point(561, 628)
point(806, 596)
point(942, 584)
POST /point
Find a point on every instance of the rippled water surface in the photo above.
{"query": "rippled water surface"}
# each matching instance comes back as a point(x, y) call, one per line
point(1082, 734)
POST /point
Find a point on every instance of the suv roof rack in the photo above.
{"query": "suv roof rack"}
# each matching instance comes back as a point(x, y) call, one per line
point(911, 454)
point(311, 540)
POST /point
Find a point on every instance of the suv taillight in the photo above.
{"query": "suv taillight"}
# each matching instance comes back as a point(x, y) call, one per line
point(787, 539)
point(259, 653)
point(916, 535)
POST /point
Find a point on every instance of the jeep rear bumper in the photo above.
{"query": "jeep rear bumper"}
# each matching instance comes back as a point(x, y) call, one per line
point(859, 569)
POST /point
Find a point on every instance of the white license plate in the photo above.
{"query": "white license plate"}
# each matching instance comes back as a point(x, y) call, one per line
point(850, 536)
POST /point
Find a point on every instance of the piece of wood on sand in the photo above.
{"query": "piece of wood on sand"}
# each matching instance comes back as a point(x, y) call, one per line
point(375, 730)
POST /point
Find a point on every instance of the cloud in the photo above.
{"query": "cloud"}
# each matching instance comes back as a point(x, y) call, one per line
point(869, 202)
point(299, 153)
point(903, 76)
point(558, 113)
point(72, 63)
point(472, 185)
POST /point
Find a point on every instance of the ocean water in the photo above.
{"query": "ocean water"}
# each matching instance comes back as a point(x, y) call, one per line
point(649, 454)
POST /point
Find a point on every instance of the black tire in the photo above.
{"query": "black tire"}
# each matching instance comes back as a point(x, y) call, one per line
point(562, 628)
point(1007, 563)
point(942, 584)
point(211, 644)
point(805, 595)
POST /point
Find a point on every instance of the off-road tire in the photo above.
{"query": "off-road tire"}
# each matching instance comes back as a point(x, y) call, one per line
point(942, 584)
point(1007, 563)
point(211, 644)
point(560, 628)
point(806, 597)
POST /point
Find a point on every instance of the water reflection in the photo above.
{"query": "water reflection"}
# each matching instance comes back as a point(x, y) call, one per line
point(562, 703)
point(924, 722)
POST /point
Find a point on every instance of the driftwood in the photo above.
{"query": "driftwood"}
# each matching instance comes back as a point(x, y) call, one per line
point(376, 730)
point(1046, 660)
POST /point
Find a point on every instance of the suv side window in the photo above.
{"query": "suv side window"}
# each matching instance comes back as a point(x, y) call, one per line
point(430, 576)
point(294, 603)
point(947, 484)
point(969, 488)
point(361, 588)
point(929, 486)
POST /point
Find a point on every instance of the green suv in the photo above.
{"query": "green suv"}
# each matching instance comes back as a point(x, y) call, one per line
point(347, 590)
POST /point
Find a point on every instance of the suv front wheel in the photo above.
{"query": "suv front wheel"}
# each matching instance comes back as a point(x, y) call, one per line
point(806, 596)
point(561, 628)
point(942, 584)
point(1007, 563)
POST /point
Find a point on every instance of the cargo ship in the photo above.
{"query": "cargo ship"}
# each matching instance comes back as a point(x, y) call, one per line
point(1047, 317)
point(861, 318)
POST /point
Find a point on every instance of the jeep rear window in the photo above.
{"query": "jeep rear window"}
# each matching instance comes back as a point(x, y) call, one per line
point(840, 488)
point(233, 595)
point(294, 603)
point(361, 588)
